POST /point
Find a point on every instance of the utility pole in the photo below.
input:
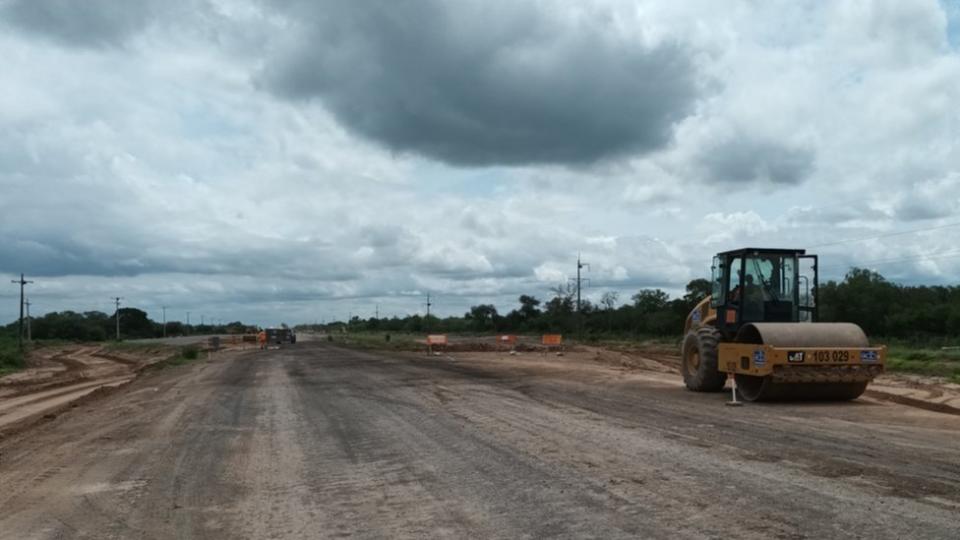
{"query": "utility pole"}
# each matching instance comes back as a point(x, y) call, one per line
point(188, 322)
point(377, 316)
point(579, 280)
point(22, 282)
point(117, 299)
point(27, 303)
point(164, 308)
point(426, 319)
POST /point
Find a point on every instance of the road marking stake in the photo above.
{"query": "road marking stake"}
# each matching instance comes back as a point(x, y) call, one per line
point(733, 390)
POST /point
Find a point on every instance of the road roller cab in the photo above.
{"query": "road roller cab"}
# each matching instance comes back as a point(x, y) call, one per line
point(760, 325)
point(763, 285)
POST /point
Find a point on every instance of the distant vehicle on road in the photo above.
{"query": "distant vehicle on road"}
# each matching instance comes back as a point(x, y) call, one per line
point(279, 336)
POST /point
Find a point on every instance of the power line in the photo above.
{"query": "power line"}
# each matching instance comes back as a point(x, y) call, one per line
point(947, 255)
point(919, 258)
point(886, 235)
point(826, 244)
point(847, 241)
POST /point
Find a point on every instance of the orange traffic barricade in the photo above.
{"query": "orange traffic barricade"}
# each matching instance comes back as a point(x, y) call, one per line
point(553, 341)
point(436, 340)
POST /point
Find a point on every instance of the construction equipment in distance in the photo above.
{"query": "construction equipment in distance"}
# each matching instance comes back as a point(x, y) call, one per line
point(279, 336)
point(760, 325)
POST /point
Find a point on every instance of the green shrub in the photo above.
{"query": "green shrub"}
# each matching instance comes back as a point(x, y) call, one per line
point(11, 358)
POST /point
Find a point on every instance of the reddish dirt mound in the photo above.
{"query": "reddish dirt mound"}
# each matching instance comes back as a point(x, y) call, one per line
point(59, 375)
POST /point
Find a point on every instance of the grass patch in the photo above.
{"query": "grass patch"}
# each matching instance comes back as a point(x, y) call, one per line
point(185, 355)
point(11, 359)
point(925, 361)
point(378, 341)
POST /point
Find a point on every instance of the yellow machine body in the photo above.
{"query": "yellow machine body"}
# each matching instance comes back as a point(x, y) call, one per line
point(793, 360)
point(802, 364)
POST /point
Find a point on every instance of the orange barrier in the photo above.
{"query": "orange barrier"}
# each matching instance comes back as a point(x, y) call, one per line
point(552, 339)
point(439, 340)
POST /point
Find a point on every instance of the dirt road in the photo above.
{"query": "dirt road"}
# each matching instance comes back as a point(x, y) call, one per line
point(317, 441)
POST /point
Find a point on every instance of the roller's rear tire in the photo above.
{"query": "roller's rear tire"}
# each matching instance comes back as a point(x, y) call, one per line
point(699, 364)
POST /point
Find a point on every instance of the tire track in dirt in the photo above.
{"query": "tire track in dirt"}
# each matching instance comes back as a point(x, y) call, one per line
point(43, 390)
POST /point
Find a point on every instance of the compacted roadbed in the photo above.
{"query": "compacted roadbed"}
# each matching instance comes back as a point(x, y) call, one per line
point(315, 441)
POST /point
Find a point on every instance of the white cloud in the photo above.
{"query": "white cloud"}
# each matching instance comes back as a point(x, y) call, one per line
point(147, 161)
point(740, 226)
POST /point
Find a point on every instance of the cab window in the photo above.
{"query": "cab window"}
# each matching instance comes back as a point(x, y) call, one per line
point(769, 288)
point(716, 296)
point(734, 291)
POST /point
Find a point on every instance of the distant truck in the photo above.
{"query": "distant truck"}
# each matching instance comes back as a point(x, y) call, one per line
point(279, 336)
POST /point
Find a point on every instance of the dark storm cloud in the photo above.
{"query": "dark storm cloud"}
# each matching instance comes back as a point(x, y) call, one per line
point(56, 255)
point(917, 208)
point(81, 22)
point(485, 82)
point(755, 160)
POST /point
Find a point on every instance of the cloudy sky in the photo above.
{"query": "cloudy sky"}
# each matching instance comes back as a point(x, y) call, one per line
point(300, 160)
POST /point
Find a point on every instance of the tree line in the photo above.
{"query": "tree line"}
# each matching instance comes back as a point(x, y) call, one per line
point(882, 308)
point(649, 312)
point(99, 326)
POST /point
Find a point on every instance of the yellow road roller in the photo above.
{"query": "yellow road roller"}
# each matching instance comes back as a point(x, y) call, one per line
point(760, 325)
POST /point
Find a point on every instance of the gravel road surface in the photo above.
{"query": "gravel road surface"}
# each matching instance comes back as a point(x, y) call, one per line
point(316, 441)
